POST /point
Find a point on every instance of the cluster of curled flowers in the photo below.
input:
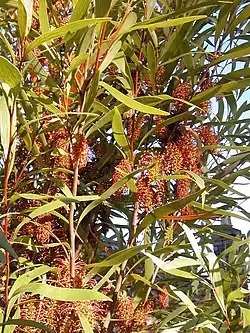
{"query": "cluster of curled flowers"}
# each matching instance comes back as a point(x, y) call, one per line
point(180, 152)
point(131, 319)
point(62, 316)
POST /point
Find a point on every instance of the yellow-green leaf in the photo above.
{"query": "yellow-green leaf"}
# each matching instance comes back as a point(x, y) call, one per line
point(130, 102)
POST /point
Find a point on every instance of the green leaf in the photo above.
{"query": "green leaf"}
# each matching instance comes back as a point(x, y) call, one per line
point(150, 7)
point(174, 264)
point(167, 122)
point(25, 10)
point(28, 277)
point(62, 31)
point(151, 62)
point(76, 62)
point(47, 208)
point(193, 242)
point(11, 328)
point(220, 90)
point(4, 126)
point(8, 46)
point(131, 103)
point(218, 211)
point(110, 56)
point(28, 323)
point(183, 274)
point(85, 324)
point(80, 10)
point(43, 16)
point(62, 294)
point(118, 132)
point(244, 15)
point(102, 7)
point(4, 244)
point(216, 279)
point(237, 52)
point(246, 316)
point(106, 277)
point(92, 92)
point(9, 73)
point(165, 210)
point(119, 257)
point(200, 183)
point(239, 293)
point(186, 300)
point(167, 24)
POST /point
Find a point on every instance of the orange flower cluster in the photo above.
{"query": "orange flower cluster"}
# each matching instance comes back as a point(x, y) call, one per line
point(80, 150)
point(208, 136)
point(130, 319)
point(145, 193)
point(182, 91)
point(134, 127)
point(205, 106)
point(182, 190)
point(124, 167)
point(164, 131)
point(160, 75)
point(172, 159)
point(164, 298)
point(62, 316)
point(151, 190)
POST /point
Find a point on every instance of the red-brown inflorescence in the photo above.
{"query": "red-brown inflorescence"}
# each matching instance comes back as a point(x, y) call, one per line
point(141, 318)
point(205, 106)
point(182, 91)
point(124, 313)
point(172, 158)
point(146, 193)
point(124, 167)
point(43, 230)
point(80, 151)
point(164, 298)
point(189, 151)
point(160, 75)
point(163, 132)
point(182, 190)
point(208, 136)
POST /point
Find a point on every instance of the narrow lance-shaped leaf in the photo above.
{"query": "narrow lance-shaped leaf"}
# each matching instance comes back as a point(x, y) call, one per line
point(9, 73)
point(151, 62)
point(119, 257)
point(62, 294)
point(25, 9)
point(85, 324)
point(110, 56)
point(28, 277)
point(62, 31)
point(130, 102)
point(28, 323)
point(216, 279)
point(167, 24)
point(4, 126)
point(4, 244)
point(107, 194)
point(43, 16)
point(176, 263)
point(80, 10)
point(185, 299)
point(118, 132)
point(193, 243)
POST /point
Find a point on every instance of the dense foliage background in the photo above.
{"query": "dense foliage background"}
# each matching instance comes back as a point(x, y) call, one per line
point(123, 129)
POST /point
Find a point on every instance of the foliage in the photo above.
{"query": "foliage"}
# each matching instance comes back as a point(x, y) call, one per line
point(123, 132)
